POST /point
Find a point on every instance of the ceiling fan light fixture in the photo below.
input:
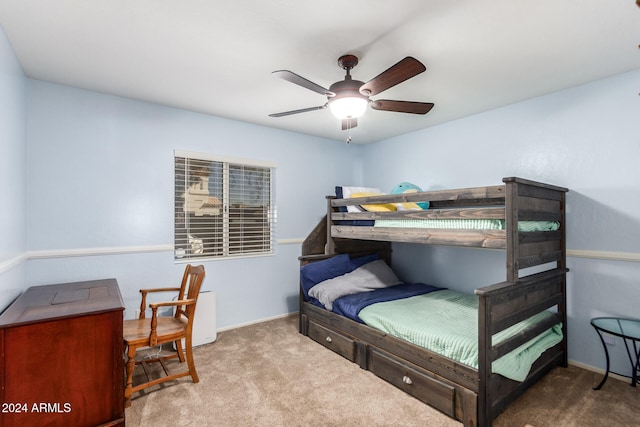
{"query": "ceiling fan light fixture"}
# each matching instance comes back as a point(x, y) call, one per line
point(348, 107)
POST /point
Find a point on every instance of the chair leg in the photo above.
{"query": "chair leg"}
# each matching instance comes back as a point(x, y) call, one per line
point(190, 364)
point(179, 350)
point(131, 364)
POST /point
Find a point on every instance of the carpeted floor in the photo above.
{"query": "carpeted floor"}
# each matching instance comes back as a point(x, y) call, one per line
point(269, 375)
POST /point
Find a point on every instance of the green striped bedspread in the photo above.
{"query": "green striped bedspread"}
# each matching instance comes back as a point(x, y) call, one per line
point(446, 322)
point(467, 224)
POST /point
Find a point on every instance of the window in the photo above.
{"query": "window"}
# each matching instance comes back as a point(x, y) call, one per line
point(223, 207)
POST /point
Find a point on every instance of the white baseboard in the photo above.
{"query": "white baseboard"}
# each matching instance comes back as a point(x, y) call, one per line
point(597, 370)
point(254, 322)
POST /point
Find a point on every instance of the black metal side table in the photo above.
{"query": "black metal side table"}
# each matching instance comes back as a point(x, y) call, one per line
point(629, 331)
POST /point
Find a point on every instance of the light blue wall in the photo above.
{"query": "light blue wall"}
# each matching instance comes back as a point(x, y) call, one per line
point(13, 167)
point(101, 176)
point(587, 139)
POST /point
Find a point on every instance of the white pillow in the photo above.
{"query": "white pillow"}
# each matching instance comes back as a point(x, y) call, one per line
point(373, 275)
point(348, 191)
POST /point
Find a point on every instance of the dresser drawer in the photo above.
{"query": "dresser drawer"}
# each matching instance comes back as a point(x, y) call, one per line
point(341, 344)
point(413, 380)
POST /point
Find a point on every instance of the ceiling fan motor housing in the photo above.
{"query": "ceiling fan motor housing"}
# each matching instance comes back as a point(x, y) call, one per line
point(347, 88)
point(347, 92)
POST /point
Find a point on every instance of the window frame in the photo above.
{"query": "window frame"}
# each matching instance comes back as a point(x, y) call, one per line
point(180, 250)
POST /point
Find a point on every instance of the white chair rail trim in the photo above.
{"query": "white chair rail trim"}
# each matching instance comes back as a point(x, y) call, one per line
point(8, 264)
point(606, 255)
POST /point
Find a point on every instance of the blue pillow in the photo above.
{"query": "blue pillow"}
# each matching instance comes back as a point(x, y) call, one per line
point(315, 272)
point(360, 261)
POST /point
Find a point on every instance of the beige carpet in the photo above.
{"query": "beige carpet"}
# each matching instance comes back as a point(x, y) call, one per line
point(269, 375)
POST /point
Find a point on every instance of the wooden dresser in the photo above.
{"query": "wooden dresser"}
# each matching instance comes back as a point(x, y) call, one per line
point(61, 356)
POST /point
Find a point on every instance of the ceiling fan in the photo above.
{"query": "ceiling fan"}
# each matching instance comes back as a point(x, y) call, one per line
point(348, 99)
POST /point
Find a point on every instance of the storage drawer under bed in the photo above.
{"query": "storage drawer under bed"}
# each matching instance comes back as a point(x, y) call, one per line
point(341, 344)
point(413, 380)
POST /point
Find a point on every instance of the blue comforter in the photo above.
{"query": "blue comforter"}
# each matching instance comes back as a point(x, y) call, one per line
point(350, 305)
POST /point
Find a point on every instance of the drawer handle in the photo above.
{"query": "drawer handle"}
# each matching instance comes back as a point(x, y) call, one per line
point(407, 380)
point(328, 339)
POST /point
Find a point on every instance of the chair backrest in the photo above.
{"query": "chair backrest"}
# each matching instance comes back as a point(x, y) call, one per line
point(190, 289)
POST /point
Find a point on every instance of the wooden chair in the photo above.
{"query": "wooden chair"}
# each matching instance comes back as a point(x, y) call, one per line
point(143, 332)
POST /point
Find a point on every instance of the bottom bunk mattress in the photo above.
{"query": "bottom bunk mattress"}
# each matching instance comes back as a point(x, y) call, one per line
point(446, 322)
point(366, 290)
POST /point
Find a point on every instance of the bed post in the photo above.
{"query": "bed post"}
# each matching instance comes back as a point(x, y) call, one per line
point(484, 362)
point(330, 247)
point(511, 223)
point(562, 263)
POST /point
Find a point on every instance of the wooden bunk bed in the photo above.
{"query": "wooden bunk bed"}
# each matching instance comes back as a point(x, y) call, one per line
point(473, 396)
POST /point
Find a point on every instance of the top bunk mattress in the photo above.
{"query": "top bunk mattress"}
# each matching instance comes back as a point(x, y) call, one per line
point(467, 224)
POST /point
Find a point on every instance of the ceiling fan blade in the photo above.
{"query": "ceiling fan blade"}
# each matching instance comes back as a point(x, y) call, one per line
point(401, 71)
point(301, 81)
point(303, 110)
point(349, 123)
point(402, 106)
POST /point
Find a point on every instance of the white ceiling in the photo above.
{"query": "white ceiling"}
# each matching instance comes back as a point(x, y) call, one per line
point(216, 57)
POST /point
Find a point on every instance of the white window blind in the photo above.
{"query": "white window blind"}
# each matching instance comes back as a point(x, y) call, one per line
point(224, 207)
